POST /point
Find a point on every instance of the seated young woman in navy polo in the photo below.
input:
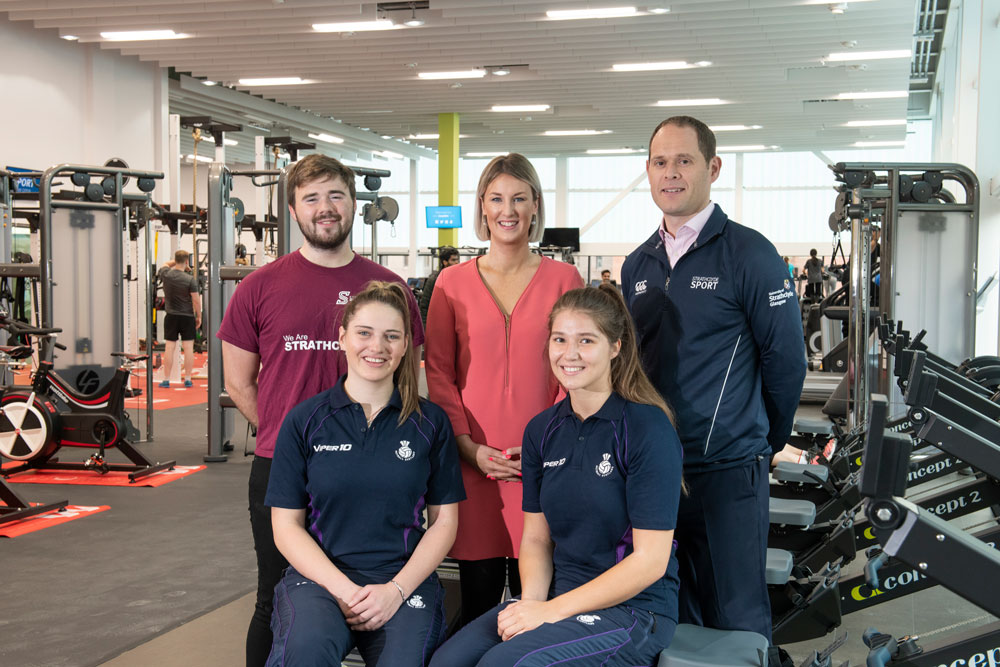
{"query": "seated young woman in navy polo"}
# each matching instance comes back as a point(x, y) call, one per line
point(602, 481)
point(354, 469)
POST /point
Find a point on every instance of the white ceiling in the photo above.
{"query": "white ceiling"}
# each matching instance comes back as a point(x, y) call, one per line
point(766, 60)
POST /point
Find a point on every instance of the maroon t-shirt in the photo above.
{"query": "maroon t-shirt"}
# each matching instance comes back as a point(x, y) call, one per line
point(289, 312)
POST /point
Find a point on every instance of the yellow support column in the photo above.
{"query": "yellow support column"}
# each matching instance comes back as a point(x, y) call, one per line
point(448, 171)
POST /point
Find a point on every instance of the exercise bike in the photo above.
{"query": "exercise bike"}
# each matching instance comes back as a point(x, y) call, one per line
point(36, 421)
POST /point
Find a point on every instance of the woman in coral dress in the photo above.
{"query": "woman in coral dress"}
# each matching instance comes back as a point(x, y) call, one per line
point(486, 366)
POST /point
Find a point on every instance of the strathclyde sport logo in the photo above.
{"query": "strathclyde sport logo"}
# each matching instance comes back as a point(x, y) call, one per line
point(404, 453)
point(640, 287)
point(604, 468)
point(588, 619)
point(416, 601)
point(704, 282)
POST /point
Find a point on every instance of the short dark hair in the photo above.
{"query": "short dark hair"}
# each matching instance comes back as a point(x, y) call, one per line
point(446, 253)
point(812, 253)
point(706, 138)
point(316, 167)
point(181, 256)
point(607, 271)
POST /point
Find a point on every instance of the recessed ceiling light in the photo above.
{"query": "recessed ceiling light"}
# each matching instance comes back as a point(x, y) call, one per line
point(230, 142)
point(574, 133)
point(701, 102)
point(877, 144)
point(70, 38)
point(141, 35)
point(209, 82)
point(275, 81)
point(200, 158)
point(877, 95)
point(838, 8)
point(743, 149)
point(462, 74)
point(612, 151)
point(432, 135)
point(868, 55)
point(355, 26)
point(501, 71)
point(875, 123)
point(388, 155)
point(651, 67)
point(658, 10)
point(485, 154)
point(600, 13)
point(520, 107)
point(733, 128)
point(328, 138)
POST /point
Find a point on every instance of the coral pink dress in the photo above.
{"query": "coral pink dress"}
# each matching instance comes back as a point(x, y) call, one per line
point(491, 375)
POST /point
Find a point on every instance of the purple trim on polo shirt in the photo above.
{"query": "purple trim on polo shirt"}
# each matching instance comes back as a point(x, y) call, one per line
point(623, 544)
point(416, 522)
point(314, 520)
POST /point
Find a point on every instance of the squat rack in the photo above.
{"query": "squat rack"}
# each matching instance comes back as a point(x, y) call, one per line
point(915, 210)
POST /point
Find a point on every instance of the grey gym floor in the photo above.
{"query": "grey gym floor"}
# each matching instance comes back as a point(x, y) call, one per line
point(166, 576)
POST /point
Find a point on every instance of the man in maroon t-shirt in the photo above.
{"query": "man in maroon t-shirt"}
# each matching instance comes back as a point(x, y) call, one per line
point(279, 342)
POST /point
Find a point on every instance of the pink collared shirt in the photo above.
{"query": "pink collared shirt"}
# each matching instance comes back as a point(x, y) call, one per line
point(676, 246)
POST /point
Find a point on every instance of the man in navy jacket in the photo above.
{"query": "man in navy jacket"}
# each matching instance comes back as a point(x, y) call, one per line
point(720, 333)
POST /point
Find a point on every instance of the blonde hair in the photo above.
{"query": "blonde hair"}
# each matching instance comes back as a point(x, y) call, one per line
point(518, 166)
point(405, 376)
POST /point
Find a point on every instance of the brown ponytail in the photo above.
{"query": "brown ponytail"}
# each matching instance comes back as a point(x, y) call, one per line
point(393, 295)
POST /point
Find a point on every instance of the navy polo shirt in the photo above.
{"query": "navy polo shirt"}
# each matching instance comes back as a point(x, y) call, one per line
point(595, 480)
point(364, 487)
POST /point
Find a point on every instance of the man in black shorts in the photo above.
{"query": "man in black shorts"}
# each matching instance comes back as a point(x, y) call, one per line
point(183, 318)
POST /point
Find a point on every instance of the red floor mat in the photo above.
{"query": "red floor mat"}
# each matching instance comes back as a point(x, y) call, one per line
point(31, 524)
point(89, 478)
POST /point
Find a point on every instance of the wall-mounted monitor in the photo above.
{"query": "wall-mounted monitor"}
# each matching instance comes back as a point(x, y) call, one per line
point(444, 217)
point(561, 237)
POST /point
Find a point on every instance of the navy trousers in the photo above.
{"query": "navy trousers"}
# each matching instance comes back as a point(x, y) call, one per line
point(310, 630)
point(622, 636)
point(721, 538)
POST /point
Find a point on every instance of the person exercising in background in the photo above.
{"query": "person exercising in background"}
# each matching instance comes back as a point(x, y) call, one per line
point(813, 269)
point(183, 318)
point(447, 256)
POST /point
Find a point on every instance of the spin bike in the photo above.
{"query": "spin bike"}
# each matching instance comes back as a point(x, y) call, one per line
point(36, 421)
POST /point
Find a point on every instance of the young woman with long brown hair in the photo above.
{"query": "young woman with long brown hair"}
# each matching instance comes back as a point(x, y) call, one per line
point(355, 468)
point(602, 481)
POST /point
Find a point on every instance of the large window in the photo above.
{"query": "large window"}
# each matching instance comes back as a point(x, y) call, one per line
point(786, 196)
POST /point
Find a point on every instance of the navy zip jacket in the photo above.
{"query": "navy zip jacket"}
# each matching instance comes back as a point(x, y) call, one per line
point(720, 336)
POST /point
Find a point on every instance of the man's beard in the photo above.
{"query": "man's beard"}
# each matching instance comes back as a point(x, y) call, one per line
point(325, 241)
